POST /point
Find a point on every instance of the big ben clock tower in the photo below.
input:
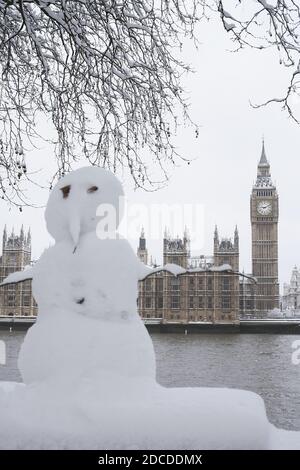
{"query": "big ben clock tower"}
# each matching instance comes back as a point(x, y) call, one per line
point(264, 223)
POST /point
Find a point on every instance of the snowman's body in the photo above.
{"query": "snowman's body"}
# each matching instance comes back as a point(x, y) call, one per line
point(99, 280)
point(88, 322)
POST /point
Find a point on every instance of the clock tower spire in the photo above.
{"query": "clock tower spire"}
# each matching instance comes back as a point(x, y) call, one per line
point(264, 222)
point(263, 168)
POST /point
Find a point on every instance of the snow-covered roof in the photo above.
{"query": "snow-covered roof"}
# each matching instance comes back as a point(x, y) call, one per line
point(179, 270)
point(223, 267)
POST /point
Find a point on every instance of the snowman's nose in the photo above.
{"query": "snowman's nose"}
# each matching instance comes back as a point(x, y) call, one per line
point(74, 224)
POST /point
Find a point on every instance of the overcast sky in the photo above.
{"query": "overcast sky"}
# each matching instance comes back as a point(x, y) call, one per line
point(225, 155)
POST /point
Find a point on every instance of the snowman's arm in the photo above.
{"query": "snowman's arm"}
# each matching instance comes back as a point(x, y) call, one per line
point(173, 269)
point(18, 276)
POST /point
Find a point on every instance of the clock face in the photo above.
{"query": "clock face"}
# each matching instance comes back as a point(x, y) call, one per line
point(264, 207)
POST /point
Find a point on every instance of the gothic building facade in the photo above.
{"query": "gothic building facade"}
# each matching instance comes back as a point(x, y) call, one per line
point(208, 291)
point(16, 299)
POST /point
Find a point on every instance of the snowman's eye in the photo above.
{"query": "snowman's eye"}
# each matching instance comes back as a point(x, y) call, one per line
point(92, 189)
point(66, 190)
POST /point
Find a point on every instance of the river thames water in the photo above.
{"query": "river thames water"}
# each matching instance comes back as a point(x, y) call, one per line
point(261, 363)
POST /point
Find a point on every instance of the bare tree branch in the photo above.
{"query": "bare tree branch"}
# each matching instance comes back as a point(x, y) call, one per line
point(270, 24)
point(107, 73)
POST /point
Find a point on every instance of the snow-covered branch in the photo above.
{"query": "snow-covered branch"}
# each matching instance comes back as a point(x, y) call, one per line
point(107, 73)
point(269, 24)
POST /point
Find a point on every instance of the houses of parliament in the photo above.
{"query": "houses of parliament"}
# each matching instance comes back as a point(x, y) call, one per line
point(211, 288)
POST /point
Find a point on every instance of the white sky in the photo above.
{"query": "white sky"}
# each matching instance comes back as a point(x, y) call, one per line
point(225, 155)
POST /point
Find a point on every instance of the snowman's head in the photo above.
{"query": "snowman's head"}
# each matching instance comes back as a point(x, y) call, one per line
point(83, 199)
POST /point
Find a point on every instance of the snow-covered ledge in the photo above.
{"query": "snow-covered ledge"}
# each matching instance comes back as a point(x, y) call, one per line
point(88, 363)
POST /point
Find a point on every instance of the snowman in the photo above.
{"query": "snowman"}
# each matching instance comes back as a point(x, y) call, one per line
point(88, 362)
point(86, 287)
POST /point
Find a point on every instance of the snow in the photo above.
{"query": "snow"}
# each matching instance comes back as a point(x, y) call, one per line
point(169, 267)
point(267, 5)
point(228, 26)
point(140, 415)
point(101, 334)
point(19, 276)
point(88, 362)
point(223, 267)
point(284, 440)
point(178, 270)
